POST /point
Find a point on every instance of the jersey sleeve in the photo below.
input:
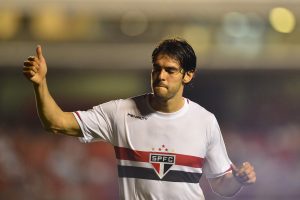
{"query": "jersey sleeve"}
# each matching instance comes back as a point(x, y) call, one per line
point(96, 123)
point(217, 162)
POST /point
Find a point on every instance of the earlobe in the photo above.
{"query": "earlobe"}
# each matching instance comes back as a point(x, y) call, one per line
point(188, 76)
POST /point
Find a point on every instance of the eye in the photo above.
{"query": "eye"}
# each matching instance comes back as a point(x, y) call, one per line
point(171, 70)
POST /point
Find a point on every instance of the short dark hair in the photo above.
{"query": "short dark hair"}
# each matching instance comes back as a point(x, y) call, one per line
point(178, 49)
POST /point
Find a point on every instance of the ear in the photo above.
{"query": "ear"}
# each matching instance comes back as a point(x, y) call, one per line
point(188, 76)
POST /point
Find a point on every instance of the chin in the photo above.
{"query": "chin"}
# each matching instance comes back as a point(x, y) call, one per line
point(161, 95)
point(158, 91)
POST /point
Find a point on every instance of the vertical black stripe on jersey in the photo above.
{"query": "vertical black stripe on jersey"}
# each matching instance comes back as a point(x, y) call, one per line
point(148, 173)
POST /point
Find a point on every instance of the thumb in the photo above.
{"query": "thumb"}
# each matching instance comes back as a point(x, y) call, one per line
point(39, 51)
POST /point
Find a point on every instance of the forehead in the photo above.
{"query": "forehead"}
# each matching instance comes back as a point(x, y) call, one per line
point(165, 60)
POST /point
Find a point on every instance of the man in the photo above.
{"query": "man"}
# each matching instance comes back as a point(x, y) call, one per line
point(163, 141)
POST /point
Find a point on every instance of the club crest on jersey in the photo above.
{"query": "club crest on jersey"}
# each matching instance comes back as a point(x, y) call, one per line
point(162, 163)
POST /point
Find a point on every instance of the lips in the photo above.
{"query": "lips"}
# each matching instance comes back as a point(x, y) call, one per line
point(161, 85)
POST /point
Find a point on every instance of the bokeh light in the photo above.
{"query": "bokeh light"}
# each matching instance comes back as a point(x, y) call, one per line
point(235, 24)
point(241, 34)
point(198, 35)
point(58, 23)
point(282, 20)
point(9, 23)
point(50, 23)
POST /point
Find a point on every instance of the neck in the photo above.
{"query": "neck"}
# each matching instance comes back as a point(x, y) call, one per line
point(166, 105)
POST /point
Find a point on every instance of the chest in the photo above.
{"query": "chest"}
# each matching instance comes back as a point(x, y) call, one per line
point(184, 135)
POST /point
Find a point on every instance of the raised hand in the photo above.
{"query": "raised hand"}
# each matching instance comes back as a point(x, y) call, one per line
point(35, 67)
point(245, 174)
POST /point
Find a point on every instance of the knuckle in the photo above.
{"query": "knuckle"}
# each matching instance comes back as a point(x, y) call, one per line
point(31, 57)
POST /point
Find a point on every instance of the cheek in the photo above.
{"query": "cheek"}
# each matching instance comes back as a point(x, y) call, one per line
point(174, 85)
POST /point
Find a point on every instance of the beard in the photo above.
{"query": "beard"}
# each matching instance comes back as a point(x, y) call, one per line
point(163, 92)
point(160, 89)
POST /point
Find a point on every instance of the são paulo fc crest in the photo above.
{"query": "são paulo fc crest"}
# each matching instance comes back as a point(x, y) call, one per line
point(162, 162)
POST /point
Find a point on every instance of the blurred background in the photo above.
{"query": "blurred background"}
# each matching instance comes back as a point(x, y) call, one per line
point(97, 50)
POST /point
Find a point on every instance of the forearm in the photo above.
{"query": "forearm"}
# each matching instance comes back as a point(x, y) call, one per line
point(226, 186)
point(50, 114)
point(47, 108)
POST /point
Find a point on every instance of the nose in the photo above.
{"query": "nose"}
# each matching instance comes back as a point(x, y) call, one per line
point(162, 74)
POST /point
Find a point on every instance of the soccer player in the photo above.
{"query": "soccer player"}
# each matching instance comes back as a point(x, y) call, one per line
point(163, 141)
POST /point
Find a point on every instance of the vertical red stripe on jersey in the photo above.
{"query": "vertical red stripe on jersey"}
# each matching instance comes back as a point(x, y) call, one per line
point(143, 156)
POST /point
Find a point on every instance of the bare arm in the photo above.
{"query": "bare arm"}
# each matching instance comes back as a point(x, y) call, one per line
point(51, 115)
point(231, 183)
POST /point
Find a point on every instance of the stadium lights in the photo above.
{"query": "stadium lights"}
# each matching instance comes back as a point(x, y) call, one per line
point(282, 20)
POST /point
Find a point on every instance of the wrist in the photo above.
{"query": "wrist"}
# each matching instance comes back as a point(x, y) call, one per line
point(41, 86)
point(40, 83)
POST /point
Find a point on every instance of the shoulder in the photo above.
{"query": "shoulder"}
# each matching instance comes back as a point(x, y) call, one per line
point(132, 101)
point(124, 104)
point(200, 111)
point(137, 99)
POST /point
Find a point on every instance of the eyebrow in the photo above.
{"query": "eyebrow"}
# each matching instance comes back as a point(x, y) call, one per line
point(169, 67)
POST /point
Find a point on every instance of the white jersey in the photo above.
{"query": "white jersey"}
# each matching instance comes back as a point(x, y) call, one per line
point(160, 155)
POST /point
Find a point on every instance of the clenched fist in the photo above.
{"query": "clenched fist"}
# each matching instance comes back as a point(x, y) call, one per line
point(35, 67)
point(245, 174)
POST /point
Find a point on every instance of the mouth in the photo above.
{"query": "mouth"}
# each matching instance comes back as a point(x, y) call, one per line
point(160, 85)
